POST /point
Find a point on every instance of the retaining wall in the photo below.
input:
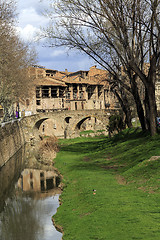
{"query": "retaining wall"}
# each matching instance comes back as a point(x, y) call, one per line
point(11, 140)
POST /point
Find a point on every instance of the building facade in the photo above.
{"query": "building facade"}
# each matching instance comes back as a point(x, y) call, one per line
point(57, 90)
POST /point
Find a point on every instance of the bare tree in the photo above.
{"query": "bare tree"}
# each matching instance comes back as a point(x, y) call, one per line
point(15, 59)
point(129, 27)
point(122, 94)
point(123, 99)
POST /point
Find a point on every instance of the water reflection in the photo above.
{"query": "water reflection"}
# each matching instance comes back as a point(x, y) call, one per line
point(28, 219)
point(29, 202)
point(20, 219)
point(9, 174)
point(33, 180)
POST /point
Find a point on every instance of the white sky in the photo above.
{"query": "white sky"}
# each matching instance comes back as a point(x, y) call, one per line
point(30, 20)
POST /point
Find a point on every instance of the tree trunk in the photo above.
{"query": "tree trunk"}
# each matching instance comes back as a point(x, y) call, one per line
point(150, 101)
point(126, 109)
point(147, 110)
point(152, 108)
point(139, 107)
point(128, 119)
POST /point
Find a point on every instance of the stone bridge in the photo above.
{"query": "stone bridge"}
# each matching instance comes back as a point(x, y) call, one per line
point(69, 121)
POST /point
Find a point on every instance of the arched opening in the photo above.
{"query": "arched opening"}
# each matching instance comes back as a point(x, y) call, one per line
point(67, 119)
point(80, 123)
point(38, 123)
point(49, 127)
point(90, 123)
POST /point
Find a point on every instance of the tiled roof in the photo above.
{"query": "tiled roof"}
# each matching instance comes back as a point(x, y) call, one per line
point(49, 82)
point(80, 80)
point(62, 78)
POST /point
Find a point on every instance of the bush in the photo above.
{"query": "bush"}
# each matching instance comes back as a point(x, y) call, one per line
point(49, 144)
point(115, 124)
point(47, 150)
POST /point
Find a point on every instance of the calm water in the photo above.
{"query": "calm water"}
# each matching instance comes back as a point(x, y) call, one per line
point(28, 204)
point(29, 219)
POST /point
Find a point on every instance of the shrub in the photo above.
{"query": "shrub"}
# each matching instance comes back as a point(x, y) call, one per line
point(115, 124)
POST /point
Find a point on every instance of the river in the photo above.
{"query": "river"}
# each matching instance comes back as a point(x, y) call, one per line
point(29, 197)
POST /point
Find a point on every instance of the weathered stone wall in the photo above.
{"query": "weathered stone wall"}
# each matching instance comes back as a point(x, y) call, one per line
point(11, 140)
point(63, 123)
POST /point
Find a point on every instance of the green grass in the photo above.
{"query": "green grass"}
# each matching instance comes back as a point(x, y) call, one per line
point(86, 132)
point(101, 130)
point(91, 131)
point(126, 204)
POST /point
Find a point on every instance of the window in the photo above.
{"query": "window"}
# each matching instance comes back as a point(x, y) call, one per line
point(27, 102)
point(99, 91)
point(68, 90)
point(90, 91)
point(45, 92)
point(74, 95)
point(38, 102)
point(68, 95)
point(62, 103)
point(74, 91)
point(38, 95)
point(68, 87)
point(75, 105)
point(50, 72)
point(80, 87)
point(54, 92)
point(74, 88)
point(61, 92)
point(41, 174)
point(81, 95)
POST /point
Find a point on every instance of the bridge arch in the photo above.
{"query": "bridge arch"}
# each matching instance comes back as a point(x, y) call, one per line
point(49, 126)
point(39, 122)
point(89, 122)
point(68, 123)
point(79, 124)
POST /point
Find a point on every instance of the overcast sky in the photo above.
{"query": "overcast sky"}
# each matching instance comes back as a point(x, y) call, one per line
point(30, 19)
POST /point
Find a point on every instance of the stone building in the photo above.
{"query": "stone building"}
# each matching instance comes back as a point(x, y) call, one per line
point(57, 90)
point(62, 90)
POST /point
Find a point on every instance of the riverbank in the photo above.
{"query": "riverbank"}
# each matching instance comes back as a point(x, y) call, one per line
point(111, 187)
point(12, 140)
point(29, 190)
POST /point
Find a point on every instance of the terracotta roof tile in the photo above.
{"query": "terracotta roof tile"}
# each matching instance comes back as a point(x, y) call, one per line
point(50, 82)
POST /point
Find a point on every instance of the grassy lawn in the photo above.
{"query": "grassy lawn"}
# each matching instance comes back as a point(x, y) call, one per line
point(126, 203)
